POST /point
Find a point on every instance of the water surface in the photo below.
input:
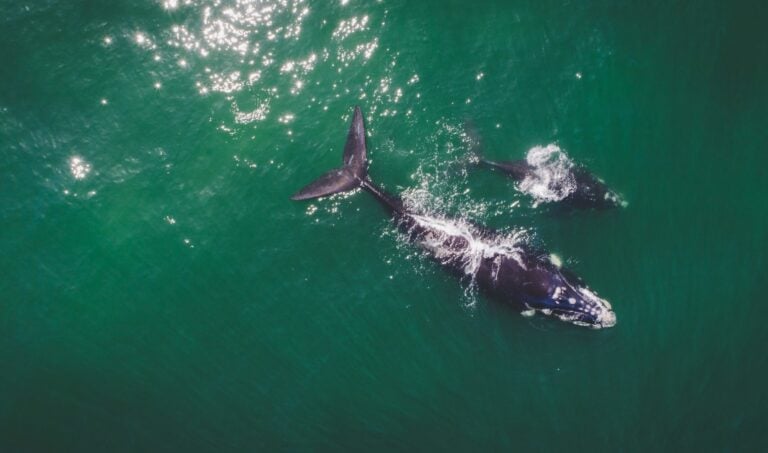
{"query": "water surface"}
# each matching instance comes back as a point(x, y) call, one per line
point(160, 292)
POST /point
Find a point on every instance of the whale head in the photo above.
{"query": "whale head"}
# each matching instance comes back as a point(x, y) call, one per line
point(558, 293)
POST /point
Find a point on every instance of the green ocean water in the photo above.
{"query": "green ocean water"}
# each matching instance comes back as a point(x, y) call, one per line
point(160, 292)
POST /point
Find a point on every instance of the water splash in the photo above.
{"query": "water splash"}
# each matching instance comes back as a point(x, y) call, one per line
point(442, 178)
point(479, 244)
point(426, 200)
point(551, 178)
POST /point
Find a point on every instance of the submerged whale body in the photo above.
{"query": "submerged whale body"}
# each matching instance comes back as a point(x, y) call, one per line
point(503, 267)
point(549, 176)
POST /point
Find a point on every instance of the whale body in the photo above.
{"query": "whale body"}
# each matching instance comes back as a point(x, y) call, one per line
point(548, 175)
point(577, 187)
point(503, 267)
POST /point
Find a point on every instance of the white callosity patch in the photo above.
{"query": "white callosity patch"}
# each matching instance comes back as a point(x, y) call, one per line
point(616, 199)
point(592, 303)
point(552, 177)
point(588, 295)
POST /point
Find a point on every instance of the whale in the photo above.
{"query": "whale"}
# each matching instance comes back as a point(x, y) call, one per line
point(549, 176)
point(502, 266)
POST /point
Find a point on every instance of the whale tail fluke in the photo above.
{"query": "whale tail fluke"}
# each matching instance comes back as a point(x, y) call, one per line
point(337, 180)
point(353, 171)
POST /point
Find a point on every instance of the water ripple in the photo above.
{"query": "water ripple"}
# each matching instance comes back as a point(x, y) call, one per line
point(260, 56)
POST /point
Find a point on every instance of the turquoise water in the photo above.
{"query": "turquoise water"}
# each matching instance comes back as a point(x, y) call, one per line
point(160, 292)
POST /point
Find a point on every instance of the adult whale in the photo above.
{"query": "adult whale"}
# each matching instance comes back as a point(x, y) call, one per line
point(503, 267)
point(548, 175)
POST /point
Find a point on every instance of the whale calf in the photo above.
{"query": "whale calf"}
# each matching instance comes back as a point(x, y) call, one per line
point(549, 176)
point(503, 267)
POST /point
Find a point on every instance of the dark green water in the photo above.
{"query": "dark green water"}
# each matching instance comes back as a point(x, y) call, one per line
point(161, 293)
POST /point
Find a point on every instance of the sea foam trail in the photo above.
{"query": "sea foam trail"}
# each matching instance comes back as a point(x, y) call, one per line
point(551, 178)
point(460, 244)
point(479, 245)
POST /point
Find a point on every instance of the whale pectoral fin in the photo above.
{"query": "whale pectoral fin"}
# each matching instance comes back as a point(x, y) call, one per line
point(335, 181)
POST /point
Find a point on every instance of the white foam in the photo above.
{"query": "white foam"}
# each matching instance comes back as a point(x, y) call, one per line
point(551, 178)
point(473, 245)
point(479, 247)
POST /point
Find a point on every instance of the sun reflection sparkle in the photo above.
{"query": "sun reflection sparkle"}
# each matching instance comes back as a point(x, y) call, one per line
point(79, 167)
point(350, 26)
point(242, 50)
point(258, 114)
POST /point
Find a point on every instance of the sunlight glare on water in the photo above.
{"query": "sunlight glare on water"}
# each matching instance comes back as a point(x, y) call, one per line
point(252, 52)
point(234, 46)
point(79, 167)
point(160, 291)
